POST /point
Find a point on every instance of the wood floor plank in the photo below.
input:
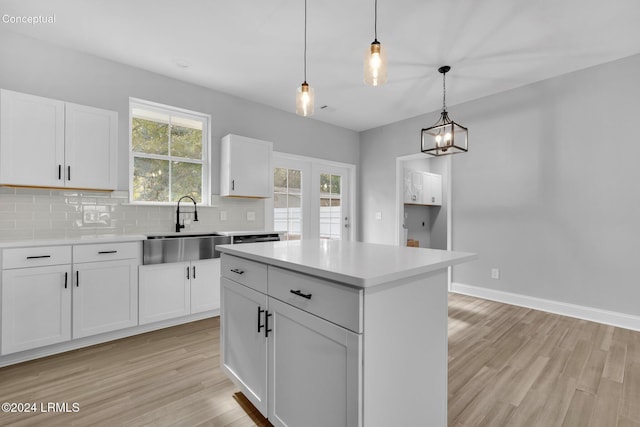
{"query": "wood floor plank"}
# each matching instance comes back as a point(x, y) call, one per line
point(580, 409)
point(607, 404)
point(614, 365)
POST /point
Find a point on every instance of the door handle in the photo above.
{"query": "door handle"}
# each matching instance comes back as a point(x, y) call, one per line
point(68, 173)
point(237, 271)
point(194, 272)
point(66, 276)
point(260, 325)
point(266, 324)
point(188, 273)
point(77, 279)
point(107, 252)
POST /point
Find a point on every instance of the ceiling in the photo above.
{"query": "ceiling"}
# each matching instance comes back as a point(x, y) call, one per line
point(254, 48)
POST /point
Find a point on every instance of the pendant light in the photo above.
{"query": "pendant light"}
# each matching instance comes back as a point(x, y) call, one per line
point(445, 136)
point(305, 97)
point(375, 58)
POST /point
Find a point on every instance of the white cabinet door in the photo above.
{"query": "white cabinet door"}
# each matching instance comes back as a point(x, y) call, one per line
point(413, 187)
point(244, 342)
point(164, 291)
point(205, 285)
point(314, 370)
point(105, 297)
point(31, 140)
point(91, 145)
point(245, 169)
point(36, 307)
point(432, 189)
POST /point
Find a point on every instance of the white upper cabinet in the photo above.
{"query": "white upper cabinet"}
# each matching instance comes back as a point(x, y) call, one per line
point(422, 188)
point(432, 189)
point(245, 169)
point(91, 145)
point(31, 140)
point(50, 143)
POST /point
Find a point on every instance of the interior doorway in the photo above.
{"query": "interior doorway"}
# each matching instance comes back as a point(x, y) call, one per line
point(421, 222)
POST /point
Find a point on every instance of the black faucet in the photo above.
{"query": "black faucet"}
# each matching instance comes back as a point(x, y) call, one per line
point(195, 213)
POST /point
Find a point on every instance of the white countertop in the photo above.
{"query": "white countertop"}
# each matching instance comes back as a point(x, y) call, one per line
point(81, 240)
point(354, 263)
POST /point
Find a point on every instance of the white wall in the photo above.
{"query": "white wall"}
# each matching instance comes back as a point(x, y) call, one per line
point(31, 66)
point(548, 192)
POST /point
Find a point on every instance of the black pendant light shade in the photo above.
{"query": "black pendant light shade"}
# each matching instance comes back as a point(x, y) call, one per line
point(445, 136)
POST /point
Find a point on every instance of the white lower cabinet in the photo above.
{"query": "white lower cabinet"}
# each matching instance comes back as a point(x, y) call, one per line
point(313, 370)
point(297, 368)
point(105, 296)
point(178, 289)
point(164, 291)
point(205, 285)
point(244, 352)
point(36, 307)
point(42, 291)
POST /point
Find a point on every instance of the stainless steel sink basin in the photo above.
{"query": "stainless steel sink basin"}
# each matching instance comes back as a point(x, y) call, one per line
point(176, 247)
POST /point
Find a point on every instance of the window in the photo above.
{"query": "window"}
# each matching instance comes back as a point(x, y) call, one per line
point(169, 154)
point(287, 203)
point(330, 206)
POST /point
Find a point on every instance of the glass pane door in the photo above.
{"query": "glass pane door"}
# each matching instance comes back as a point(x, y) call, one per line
point(287, 203)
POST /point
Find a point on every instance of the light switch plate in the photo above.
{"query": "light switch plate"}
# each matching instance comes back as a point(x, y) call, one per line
point(223, 215)
point(251, 216)
point(378, 215)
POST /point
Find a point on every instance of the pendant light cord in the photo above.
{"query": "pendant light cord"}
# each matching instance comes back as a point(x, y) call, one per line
point(444, 93)
point(375, 20)
point(305, 41)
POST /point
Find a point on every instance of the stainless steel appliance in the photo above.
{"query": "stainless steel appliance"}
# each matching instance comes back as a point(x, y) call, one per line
point(255, 237)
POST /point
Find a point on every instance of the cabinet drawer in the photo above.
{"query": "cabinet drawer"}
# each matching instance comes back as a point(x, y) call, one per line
point(106, 251)
point(249, 273)
point(37, 256)
point(336, 303)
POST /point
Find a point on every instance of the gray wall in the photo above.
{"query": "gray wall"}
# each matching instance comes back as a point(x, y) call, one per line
point(548, 192)
point(31, 66)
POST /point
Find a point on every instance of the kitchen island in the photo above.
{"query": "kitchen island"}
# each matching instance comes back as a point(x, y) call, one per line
point(320, 332)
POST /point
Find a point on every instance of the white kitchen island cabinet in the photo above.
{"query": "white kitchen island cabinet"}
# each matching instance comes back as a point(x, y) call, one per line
point(355, 334)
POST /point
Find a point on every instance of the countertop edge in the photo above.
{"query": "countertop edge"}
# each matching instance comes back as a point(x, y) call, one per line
point(73, 241)
point(359, 282)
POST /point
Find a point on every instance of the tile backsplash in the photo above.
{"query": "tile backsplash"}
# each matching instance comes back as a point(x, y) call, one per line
point(28, 214)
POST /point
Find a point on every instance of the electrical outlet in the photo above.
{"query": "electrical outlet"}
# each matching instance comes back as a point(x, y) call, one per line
point(223, 215)
point(251, 216)
point(495, 273)
point(378, 215)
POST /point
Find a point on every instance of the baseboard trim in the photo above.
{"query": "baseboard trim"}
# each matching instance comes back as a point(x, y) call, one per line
point(612, 318)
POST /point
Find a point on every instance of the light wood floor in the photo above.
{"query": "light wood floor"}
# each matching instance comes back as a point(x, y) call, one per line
point(508, 366)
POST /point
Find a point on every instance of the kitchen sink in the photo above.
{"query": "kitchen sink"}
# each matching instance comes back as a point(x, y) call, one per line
point(181, 247)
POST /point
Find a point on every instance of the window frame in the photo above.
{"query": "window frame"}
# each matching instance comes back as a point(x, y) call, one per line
point(206, 148)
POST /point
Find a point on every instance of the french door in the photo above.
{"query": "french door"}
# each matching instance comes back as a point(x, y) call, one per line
point(312, 198)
